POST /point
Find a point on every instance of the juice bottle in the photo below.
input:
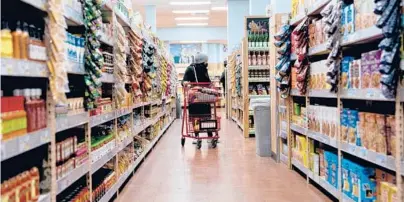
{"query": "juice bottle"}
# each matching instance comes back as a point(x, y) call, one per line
point(34, 183)
point(30, 109)
point(16, 40)
point(24, 42)
point(6, 42)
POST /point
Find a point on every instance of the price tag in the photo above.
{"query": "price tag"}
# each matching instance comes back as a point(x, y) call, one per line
point(352, 148)
point(370, 93)
point(363, 152)
point(351, 93)
point(381, 159)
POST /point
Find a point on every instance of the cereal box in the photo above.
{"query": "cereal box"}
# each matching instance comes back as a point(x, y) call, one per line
point(365, 71)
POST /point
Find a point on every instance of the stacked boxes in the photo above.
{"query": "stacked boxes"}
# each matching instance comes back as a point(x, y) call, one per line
point(331, 168)
point(316, 33)
point(323, 119)
point(318, 76)
point(364, 16)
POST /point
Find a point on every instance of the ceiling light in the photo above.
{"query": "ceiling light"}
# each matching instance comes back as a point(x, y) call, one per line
point(219, 8)
point(192, 18)
point(192, 3)
point(193, 42)
point(190, 11)
point(192, 24)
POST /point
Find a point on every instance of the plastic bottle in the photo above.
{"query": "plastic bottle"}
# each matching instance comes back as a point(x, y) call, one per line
point(41, 108)
point(6, 42)
point(34, 183)
point(24, 40)
point(41, 46)
point(16, 40)
point(30, 109)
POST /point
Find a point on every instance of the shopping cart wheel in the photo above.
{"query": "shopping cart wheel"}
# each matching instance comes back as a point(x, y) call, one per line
point(214, 143)
point(183, 141)
point(199, 144)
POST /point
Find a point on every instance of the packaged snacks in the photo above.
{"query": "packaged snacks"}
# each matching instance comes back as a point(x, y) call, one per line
point(345, 65)
point(362, 130)
point(380, 138)
point(355, 74)
point(349, 12)
point(371, 130)
point(346, 181)
point(352, 123)
point(365, 71)
point(374, 61)
point(344, 125)
point(391, 135)
point(380, 177)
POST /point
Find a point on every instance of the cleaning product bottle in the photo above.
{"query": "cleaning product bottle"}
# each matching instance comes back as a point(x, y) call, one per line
point(16, 41)
point(41, 46)
point(33, 43)
point(24, 41)
point(6, 42)
point(41, 109)
point(29, 108)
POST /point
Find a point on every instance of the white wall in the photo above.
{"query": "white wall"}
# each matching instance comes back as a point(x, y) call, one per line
point(237, 10)
point(192, 33)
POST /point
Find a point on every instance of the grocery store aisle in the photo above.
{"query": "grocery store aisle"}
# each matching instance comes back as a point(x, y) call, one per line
point(230, 173)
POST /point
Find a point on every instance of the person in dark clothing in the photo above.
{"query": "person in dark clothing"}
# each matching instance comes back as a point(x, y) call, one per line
point(198, 72)
point(223, 77)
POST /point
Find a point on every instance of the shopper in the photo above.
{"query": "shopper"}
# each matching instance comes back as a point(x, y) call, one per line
point(223, 78)
point(198, 72)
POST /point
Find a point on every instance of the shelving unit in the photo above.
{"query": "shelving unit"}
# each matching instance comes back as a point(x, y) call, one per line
point(298, 124)
point(129, 122)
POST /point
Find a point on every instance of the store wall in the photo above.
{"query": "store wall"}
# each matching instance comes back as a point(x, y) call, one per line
point(192, 33)
point(237, 10)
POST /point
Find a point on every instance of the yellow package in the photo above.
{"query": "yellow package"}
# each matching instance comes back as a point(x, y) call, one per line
point(393, 197)
point(384, 192)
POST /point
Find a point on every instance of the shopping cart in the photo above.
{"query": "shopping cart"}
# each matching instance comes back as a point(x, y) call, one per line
point(201, 95)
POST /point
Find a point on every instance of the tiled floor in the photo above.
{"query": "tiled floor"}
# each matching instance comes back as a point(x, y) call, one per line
point(230, 173)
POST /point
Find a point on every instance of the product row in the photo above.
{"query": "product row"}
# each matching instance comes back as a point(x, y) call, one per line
point(258, 58)
point(258, 89)
point(261, 73)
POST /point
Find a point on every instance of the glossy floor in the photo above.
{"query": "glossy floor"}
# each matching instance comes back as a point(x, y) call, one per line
point(230, 173)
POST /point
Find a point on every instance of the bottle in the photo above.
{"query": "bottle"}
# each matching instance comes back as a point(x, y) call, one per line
point(33, 44)
point(24, 40)
point(6, 42)
point(41, 46)
point(41, 109)
point(16, 40)
point(30, 109)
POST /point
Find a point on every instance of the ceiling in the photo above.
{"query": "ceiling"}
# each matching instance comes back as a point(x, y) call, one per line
point(166, 18)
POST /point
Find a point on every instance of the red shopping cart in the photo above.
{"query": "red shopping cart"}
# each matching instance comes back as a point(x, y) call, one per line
point(199, 113)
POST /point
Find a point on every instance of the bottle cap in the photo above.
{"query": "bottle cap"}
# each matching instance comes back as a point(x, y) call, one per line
point(39, 92)
point(33, 92)
point(27, 92)
point(17, 92)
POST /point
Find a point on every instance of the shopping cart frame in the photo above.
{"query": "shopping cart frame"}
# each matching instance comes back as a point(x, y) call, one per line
point(188, 129)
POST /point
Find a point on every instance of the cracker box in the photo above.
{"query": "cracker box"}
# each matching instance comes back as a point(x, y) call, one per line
point(365, 71)
point(350, 19)
point(355, 181)
point(344, 124)
point(361, 129)
point(346, 182)
point(381, 176)
point(384, 190)
point(352, 126)
point(371, 130)
point(374, 59)
point(381, 134)
point(345, 63)
point(355, 76)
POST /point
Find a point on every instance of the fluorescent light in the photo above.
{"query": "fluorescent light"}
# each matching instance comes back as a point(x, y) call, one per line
point(192, 24)
point(219, 8)
point(192, 3)
point(190, 11)
point(193, 41)
point(192, 18)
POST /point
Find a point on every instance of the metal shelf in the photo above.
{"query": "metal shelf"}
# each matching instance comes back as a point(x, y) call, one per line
point(24, 143)
point(362, 36)
point(299, 166)
point(44, 198)
point(258, 48)
point(319, 50)
point(283, 158)
point(283, 134)
point(71, 121)
point(64, 182)
point(107, 78)
point(323, 93)
point(322, 138)
point(298, 129)
point(323, 183)
point(258, 79)
point(259, 96)
point(258, 67)
point(295, 92)
point(23, 68)
point(371, 156)
point(123, 111)
point(75, 68)
point(98, 160)
point(317, 7)
point(102, 118)
point(73, 17)
point(122, 19)
point(107, 40)
point(364, 94)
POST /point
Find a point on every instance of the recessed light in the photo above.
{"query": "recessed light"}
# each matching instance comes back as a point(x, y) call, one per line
point(192, 18)
point(219, 8)
point(190, 11)
point(192, 3)
point(192, 24)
